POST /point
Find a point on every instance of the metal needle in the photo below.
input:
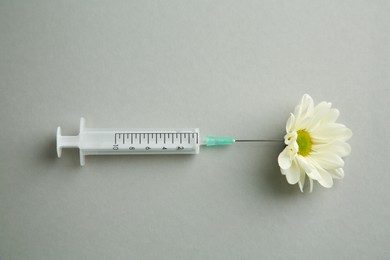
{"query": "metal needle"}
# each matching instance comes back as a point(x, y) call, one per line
point(270, 140)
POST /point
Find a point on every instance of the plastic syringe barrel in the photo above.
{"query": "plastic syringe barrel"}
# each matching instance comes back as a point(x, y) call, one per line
point(96, 141)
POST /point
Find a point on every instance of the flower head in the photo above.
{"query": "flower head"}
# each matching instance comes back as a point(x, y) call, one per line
point(315, 145)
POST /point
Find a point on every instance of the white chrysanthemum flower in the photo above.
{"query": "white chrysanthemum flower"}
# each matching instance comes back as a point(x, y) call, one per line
point(315, 145)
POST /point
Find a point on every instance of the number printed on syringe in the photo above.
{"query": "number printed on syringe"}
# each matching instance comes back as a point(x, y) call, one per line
point(156, 142)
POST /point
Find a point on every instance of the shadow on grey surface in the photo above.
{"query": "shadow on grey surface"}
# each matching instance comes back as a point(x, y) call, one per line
point(139, 160)
point(48, 155)
point(49, 152)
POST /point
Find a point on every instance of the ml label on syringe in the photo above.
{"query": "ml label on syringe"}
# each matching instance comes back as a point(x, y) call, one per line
point(166, 141)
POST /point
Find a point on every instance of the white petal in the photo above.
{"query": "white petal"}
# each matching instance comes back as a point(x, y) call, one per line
point(305, 104)
point(301, 181)
point(309, 168)
point(331, 116)
point(284, 159)
point(326, 179)
point(309, 104)
point(305, 122)
point(331, 132)
point(338, 147)
point(311, 184)
point(328, 161)
point(322, 107)
point(290, 123)
point(293, 150)
point(290, 138)
point(337, 173)
point(304, 108)
point(343, 149)
point(293, 173)
point(318, 113)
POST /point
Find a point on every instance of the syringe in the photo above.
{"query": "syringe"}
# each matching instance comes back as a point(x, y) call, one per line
point(107, 141)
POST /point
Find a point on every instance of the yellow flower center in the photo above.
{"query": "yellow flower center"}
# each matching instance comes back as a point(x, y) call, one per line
point(304, 142)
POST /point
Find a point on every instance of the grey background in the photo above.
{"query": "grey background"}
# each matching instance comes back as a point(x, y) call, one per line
point(231, 68)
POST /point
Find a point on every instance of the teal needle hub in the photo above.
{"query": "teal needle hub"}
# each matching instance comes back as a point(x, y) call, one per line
point(218, 141)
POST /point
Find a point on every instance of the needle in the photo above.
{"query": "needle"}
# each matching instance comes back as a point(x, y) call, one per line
point(270, 140)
